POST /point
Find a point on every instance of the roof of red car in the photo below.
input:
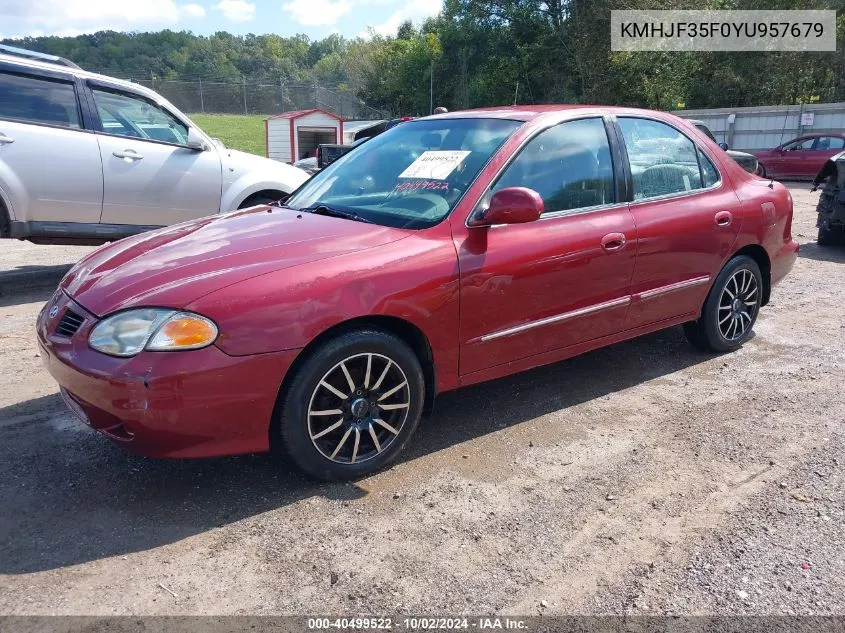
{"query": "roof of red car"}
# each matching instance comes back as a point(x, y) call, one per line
point(528, 112)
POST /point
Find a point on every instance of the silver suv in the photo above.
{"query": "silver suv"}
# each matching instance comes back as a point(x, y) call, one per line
point(89, 159)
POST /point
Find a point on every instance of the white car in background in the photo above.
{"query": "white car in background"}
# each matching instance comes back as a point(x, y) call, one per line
point(85, 158)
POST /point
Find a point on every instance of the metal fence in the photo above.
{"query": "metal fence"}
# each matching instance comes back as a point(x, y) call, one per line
point(249, 97)
point(764, 127)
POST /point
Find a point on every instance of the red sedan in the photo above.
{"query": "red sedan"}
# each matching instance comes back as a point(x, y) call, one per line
point(800, 158)
point(447, 251)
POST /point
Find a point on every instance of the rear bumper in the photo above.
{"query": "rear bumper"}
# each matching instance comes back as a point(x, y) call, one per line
point(783, 260)
point(199, 403)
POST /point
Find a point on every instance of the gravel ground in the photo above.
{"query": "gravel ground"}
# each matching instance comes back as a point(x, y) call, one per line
point(641, 478)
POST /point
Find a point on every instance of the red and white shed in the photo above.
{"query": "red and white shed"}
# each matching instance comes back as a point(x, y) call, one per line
point(296, 134)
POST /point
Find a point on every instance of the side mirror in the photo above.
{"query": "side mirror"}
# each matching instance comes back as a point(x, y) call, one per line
point(512, 205)
point(724, 146)
point(195, 140)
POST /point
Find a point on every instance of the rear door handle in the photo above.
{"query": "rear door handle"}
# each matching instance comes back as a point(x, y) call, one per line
point(4, 140)
point(723, 218)
point(613, 241)
point(128, 154)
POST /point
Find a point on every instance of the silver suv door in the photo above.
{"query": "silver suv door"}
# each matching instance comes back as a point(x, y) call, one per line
point(50, 166)
point(151, 177)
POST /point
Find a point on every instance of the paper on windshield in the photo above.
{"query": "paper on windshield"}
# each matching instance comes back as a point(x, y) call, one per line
point(435, 164)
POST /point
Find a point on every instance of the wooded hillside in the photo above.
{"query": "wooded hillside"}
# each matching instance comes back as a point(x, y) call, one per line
point(483, 52)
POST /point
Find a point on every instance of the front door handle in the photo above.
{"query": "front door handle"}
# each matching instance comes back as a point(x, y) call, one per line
point(4, 140)
point(128, 155)
point(723, 218)
point(613, 241)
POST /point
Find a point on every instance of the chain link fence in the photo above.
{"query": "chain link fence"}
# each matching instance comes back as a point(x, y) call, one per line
point(247, 97)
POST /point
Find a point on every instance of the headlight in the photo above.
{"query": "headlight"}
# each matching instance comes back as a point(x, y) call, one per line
point(156, 329)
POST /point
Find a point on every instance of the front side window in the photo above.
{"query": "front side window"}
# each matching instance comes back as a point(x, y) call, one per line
point(411, 176)
point(133, 116)
point(663, 160)
point(569, 165)
point(38, 100)
point(799, 146)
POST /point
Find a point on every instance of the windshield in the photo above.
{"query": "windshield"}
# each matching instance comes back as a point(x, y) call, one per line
point(411, 176)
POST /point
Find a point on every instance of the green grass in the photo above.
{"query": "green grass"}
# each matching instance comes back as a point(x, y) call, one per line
point(238, 131)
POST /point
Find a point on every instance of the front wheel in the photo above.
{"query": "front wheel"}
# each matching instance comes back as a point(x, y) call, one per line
point(761, 170)
point(731, 308)
point(352, 405)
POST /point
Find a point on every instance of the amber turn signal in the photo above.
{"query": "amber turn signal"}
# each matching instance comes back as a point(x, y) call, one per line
point(183, 331)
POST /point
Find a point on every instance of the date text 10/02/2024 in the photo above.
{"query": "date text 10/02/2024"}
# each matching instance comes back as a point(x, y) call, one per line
point(417, 623)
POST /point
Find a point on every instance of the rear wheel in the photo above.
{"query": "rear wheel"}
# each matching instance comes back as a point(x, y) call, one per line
point(352, 406)
point(829, 236)
point(731, 308)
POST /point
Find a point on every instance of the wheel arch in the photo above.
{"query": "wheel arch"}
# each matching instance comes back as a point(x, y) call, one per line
point(759, 255)
point(401, 328)
point(5, 219)
point(275, 194)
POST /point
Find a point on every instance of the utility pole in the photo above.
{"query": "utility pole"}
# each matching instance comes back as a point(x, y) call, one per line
point(516, 92)
point(244, 80)
point(431, 89)
point(202, 101)
point(282, 87)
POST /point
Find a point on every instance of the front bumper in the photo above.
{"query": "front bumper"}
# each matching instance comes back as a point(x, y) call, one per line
point(198, 403)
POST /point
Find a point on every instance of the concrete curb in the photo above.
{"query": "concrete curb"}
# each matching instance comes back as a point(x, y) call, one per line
point(19, 282)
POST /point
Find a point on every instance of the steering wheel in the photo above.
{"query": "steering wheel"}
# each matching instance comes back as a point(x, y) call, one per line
point(426, 204)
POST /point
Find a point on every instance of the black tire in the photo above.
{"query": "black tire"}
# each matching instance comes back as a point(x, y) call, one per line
point(721, 328)
point(297, 424)
point(829, 237)
point(761, 170)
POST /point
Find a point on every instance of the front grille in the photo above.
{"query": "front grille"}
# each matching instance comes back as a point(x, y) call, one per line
point(69, 323)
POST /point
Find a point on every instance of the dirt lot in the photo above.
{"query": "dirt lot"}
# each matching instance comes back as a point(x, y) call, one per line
point(642, 478)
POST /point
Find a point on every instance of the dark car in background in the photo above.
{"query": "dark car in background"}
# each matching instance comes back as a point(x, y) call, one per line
point(745, 160)
point(831, 207)
point(801, 157)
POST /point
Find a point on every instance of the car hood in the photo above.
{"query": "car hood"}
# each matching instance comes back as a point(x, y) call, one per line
point(175, 266)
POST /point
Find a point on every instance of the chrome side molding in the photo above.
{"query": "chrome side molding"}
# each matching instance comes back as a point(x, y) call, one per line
point(565, 316)
point(681, 285)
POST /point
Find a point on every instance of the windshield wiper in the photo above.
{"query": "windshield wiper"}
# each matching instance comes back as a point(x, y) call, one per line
point(335, 212)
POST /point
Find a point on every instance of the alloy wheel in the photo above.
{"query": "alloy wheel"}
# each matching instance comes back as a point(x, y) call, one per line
point(358, 408)
point(738, 304)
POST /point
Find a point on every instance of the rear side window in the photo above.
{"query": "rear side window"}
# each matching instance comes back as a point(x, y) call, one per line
point(38, 100)
point(709, 173)
point(663, 161)
point(830, 142)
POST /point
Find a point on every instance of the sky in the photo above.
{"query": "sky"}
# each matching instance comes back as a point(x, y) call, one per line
point(315, 18)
